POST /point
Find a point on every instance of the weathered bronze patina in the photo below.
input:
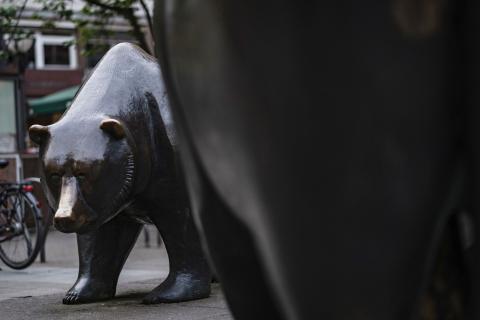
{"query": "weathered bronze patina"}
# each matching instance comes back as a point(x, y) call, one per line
point(109, 165)
point(327, 142)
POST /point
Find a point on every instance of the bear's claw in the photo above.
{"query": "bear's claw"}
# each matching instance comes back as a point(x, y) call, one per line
point(84, 294)
point(71, 298)
point(74, 297)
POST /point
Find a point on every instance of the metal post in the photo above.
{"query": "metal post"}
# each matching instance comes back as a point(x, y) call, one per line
point(22, 105)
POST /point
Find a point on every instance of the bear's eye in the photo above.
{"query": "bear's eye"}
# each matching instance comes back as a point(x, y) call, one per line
point(55, 178)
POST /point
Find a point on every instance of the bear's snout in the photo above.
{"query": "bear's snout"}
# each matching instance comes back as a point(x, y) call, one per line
point(66, 221)
point(72, 211)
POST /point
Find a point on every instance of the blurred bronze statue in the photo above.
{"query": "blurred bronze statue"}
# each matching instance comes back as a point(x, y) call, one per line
point(109, 165)
point(333, 145)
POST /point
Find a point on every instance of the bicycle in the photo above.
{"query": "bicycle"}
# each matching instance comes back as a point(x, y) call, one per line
point(21, 227)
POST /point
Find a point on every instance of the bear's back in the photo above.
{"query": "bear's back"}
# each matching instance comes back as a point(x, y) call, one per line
point(124, 72)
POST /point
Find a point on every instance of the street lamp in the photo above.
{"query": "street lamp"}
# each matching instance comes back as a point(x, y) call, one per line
point(20, 46)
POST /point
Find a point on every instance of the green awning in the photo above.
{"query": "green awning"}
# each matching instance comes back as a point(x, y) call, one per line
point(55, 102)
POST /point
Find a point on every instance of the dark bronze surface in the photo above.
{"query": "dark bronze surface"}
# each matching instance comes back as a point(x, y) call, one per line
point(110, 164)
point(327, 143)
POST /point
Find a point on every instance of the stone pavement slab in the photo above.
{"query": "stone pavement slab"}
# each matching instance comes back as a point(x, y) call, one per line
point(127, 305)
point(37, 292)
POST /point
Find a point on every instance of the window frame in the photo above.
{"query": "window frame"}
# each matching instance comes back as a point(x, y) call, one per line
point(41, 40)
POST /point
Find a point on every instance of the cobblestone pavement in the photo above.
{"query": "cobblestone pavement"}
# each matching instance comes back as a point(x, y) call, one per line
point(37, 292)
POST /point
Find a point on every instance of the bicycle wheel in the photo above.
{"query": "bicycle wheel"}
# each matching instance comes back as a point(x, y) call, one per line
point(22, 230)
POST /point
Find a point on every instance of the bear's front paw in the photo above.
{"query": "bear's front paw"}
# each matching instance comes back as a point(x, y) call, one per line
point(70, 298)
point(86, 290)
point(181, 287)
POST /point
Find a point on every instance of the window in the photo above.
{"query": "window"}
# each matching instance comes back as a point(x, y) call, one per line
point(8, 130)
point(53, 52)
point(57, 55)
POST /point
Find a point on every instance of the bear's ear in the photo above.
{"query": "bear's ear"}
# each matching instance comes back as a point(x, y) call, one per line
point(38, 133)
point(113, 127)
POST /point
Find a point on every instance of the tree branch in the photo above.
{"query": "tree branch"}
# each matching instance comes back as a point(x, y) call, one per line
point(20, 13)
point(147, 16)
point(137, 30)
point(15, 27)
point(129, 15)
point(107, 6)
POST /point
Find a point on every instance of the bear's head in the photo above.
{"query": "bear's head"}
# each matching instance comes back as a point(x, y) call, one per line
point(88, 170)
point(87, 157)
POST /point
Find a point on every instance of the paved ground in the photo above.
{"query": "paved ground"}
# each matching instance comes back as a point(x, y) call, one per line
point(36, 292)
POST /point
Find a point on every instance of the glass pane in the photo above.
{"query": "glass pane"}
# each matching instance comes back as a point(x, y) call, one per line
point(7, 116)
point(57, 55)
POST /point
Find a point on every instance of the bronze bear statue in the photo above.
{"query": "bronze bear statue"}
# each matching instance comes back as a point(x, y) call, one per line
point(109, 165)
point(333, 144)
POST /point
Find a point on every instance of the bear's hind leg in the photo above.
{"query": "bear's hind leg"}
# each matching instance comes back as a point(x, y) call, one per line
point(189, 277)
point(102, 254)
